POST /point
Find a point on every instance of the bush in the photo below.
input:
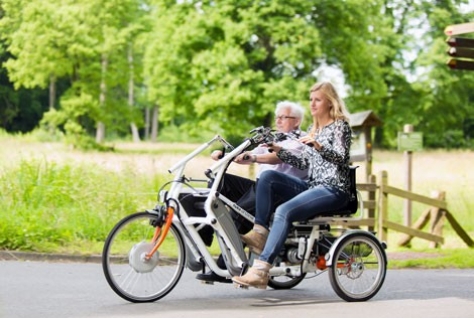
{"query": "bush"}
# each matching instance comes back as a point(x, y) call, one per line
point(46, 205)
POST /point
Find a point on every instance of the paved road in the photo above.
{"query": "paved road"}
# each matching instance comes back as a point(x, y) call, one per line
point(42, 289)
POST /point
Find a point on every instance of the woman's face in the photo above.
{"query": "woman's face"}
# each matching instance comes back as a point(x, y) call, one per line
point(319, 104)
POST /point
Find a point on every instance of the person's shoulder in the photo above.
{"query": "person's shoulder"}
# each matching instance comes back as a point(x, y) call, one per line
point(342, 122)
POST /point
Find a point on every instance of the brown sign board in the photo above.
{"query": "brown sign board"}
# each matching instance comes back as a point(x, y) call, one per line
point(461, 49)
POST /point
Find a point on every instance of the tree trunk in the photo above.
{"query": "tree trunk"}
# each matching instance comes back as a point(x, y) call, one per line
point(100, 133)
point(147, 123)
point(154, 124)
point(52, 92)
point(131, 96)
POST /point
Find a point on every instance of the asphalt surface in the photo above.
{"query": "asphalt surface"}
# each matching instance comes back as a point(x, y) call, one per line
point(79, 289)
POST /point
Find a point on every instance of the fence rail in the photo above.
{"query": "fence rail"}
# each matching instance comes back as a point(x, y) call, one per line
point(377, 216)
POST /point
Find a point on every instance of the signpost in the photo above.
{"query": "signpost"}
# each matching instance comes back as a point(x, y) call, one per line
point(409, 141)
point(462, 28)
point(461, 49)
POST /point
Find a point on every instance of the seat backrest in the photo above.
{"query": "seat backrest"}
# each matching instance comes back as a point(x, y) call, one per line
point(353, 204)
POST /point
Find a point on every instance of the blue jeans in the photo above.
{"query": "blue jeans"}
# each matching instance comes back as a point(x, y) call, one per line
point(300, 203)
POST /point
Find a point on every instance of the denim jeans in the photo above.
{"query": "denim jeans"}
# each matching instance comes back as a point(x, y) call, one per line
point(300, 203)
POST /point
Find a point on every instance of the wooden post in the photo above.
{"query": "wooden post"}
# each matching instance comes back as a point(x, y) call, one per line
point(435, 214)
point(371, 197)
point(419, 224)
point(408, 128)
point(464, 236)
point(437, 217)
point(368, 150)
point(383, 206)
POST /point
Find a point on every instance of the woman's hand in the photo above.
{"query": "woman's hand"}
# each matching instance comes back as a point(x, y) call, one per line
point(272, 147)
point(308, 140)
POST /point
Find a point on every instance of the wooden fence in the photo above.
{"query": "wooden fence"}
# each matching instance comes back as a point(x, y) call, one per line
point(376, 217)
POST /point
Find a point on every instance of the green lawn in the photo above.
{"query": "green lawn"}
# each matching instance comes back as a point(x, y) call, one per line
point(55, 199)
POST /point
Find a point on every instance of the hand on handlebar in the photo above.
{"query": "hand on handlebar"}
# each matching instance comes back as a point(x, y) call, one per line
point(216, 155)
point(272, 147)
point(244, 158)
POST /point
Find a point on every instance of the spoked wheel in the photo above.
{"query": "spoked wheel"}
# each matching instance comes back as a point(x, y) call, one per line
point(129, 272)
point(359, 267)
point(284, 282)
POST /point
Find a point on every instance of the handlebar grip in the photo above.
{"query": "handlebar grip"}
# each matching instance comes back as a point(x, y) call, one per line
point(246, 157)
point(222, 154)
point(270, 144)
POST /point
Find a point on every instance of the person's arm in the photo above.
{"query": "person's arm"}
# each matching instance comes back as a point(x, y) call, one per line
point(339, 151)
point(267, 158)
point(295, 154)
point(259, 158)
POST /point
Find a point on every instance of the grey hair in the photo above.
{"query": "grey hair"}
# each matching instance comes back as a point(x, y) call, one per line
point(296, 109)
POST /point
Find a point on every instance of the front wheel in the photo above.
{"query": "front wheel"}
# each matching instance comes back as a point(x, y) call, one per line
point(359, 267)
point(131, 275)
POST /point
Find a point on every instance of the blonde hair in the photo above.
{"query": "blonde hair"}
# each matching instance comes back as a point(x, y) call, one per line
point(338, 110)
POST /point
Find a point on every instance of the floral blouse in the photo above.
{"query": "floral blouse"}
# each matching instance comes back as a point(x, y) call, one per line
point(330, 165)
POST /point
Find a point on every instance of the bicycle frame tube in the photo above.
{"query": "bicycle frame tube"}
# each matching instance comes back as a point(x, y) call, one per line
point(242, 212)
point(162, 232)
point(217, 214)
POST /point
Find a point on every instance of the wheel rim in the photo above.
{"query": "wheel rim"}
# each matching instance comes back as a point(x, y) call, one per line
point(133, 276)
point(360, 269)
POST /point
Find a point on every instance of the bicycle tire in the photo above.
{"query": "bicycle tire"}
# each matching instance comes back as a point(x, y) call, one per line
point(284, 282)
point(359, 268)
point(131, 276)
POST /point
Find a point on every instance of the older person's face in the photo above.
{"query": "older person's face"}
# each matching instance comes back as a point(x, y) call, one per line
point(285, 122)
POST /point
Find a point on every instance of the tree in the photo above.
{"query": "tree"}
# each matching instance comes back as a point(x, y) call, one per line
point(447, 98)
point(223, 66)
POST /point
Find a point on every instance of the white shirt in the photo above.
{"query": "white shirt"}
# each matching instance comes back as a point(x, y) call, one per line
point(292, 146)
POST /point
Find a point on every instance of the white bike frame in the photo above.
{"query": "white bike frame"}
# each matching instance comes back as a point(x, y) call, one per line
point(218, 216)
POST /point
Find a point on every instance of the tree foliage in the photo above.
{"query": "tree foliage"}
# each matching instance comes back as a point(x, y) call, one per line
point(221, 66)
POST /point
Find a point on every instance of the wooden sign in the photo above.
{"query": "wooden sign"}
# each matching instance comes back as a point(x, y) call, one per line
point(460, 42)
point(460, 64)
point(410, 141)
point(461, 53)
point(456, 29)
point(462, 48)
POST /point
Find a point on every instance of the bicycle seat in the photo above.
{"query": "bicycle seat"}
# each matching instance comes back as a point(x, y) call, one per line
point(349, 209)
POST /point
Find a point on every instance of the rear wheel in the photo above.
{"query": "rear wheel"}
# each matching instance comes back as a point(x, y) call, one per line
point(359, 267)
point(129, 273)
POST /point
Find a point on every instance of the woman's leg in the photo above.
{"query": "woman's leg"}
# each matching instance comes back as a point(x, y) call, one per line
point(273, 187)
point(304, 206)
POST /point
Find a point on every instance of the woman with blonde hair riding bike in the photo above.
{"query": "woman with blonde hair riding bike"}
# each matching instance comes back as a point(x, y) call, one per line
point(326, 189)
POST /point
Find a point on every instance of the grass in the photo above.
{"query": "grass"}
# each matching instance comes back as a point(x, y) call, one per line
point(55, 199)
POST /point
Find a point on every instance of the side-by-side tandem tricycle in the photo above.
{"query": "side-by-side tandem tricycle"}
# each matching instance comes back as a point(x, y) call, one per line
point(146, 252)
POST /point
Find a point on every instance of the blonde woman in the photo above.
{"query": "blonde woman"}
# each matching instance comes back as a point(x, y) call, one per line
point(326, 189)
